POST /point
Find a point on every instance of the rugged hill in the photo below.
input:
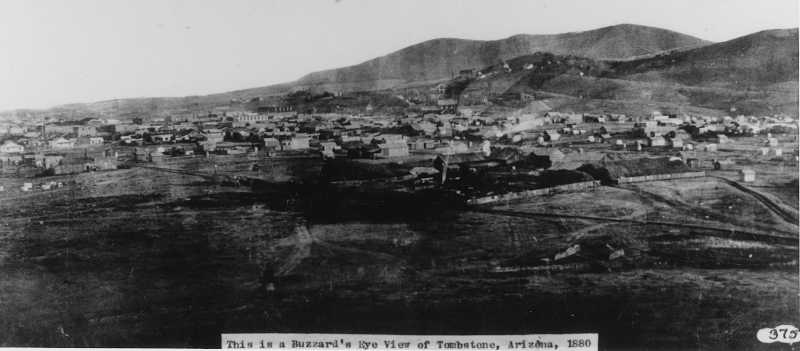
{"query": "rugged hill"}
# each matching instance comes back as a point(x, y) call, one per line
point(756, 74)
point(439, 58)
point(751, 61)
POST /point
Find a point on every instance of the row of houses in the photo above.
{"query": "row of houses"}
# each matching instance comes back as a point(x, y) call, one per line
point(9, 146)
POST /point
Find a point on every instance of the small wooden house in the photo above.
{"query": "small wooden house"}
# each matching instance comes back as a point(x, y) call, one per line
point(675, 143)
point(772, 142)
point(747, 175)
point(724, 165)
point(719, 139)
point(551, 135)
point(656, 141)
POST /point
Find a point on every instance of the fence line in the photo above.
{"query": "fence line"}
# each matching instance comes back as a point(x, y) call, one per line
point(530, 193)
point(622, 180)
point(559, 267)
point(379, 180)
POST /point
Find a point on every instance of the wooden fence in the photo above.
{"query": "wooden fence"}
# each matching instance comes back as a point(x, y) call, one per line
point(537, 192)
point(379, 180)
point(622, 180)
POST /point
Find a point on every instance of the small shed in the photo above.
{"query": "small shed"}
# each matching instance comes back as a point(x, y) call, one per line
point(675, 143)
point(551, 135)
point(724, 165)
point(747, 175)
point(656, 141)
point(720, 139)
point(772, 142)
point(693, 163)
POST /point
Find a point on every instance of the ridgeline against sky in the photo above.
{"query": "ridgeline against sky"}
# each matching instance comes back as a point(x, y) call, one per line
point(90, 51)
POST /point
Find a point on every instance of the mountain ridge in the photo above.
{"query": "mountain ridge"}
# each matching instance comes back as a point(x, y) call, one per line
point(444, 57)
point(722, 73)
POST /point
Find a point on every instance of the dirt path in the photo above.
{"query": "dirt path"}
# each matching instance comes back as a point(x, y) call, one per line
point(679, 204)
point(575, 235)
point(787, 216)
point(737, 234)
point(302, 241)
point(176, 171)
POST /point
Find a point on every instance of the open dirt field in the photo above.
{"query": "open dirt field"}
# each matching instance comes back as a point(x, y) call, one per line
point(170, 257)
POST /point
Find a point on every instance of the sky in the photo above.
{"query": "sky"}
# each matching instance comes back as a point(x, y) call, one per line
point(55, 52)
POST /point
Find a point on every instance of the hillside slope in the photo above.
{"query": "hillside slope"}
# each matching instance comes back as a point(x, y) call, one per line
point(754, 60)
point(756, 74)
point(439, 58)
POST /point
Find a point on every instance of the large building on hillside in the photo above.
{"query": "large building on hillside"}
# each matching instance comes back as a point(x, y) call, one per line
point(277, 111)
point(255, 118)
point(447, 105)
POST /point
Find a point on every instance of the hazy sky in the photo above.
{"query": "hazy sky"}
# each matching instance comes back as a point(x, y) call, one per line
point(57, 52)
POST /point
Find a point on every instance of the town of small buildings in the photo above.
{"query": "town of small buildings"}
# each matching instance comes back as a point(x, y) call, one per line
point(436, 144)
point(295, 203)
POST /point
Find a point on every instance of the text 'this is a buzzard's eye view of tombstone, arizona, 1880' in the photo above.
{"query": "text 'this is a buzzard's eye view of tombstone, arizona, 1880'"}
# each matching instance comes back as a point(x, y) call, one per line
point(399, 174)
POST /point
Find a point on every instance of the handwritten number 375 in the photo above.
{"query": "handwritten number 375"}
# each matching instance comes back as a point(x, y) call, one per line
point(773, 334)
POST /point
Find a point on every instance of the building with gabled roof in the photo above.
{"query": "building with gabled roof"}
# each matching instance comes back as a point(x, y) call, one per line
point(719, 139)
point(11, 147)
point(509, 155)
point(389, 139)
point(675, 142)
point(551, 135)
point(393, 149)
point(575, 160)
point(551, 153)
point(656, 141)
point(724, 165)
point(440, 88)
point(747, 175)
point(454, 160)
point(61, 143)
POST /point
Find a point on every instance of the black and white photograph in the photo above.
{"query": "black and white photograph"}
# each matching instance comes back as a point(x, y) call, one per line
point(358, 174)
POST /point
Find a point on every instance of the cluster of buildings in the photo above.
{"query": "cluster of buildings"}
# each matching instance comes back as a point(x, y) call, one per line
point(440, 128)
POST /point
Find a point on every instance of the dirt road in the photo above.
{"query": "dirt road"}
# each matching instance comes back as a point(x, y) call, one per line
point(787, 216)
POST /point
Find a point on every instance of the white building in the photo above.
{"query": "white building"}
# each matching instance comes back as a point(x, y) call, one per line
point(10, 146)
point(747, 175)
point(61, 143)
